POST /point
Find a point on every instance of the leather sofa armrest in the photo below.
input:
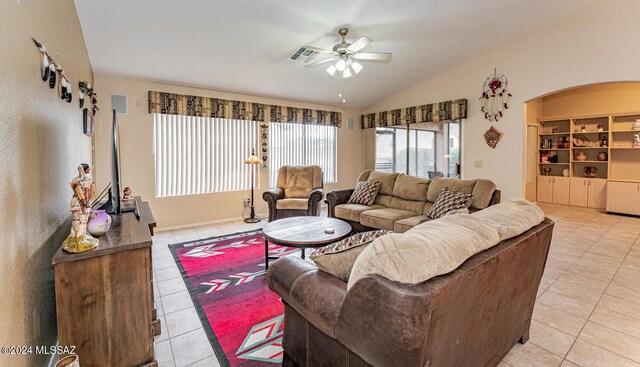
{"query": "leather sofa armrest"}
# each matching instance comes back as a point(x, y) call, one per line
point(271, 196)
point(315, 197)
point(335, 198)
point(379, 315)
point(314, 294)
point(495, 197)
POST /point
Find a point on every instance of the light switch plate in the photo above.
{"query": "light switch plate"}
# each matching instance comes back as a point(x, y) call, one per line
point(477, 164)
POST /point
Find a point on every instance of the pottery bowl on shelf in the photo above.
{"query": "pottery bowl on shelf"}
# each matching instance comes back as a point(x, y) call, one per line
point(581, 156)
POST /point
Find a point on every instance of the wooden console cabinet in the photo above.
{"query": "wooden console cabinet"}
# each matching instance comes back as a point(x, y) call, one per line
point(104, 297)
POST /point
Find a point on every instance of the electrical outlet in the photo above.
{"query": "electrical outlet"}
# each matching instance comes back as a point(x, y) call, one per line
point(478, 164)
point(246, 202)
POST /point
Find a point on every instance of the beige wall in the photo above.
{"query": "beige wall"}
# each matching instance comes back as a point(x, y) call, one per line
point(592, 45)
point(136, 142)
point(608, 98)
point(42, 145)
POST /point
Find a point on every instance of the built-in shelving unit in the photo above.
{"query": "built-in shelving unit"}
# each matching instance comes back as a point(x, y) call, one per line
point(606, 143)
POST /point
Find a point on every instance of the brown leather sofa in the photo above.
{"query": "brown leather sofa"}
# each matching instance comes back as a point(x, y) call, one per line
point(403, 200)
point(299, 192)
point(469, 317)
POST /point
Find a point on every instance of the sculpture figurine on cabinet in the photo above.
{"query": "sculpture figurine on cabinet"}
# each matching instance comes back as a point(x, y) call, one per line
point(79, 240)
point(636, 140)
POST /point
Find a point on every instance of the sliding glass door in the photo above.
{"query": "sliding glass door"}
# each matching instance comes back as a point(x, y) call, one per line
point(393, 154)
point(420, 150)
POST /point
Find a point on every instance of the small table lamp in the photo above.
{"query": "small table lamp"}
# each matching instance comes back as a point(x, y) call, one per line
point(252, 160)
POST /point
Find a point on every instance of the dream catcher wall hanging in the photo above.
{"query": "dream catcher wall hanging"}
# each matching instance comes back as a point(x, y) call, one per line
point(495, 96)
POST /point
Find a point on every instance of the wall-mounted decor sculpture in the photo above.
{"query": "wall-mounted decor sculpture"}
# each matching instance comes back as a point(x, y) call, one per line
point(492, 137)
point(52, 72)
point(495, 96)
point(264, 143)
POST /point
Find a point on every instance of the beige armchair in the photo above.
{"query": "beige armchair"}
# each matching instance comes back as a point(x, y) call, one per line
point(299, 192)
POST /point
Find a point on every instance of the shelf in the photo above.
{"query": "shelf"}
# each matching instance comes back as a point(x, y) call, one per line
point(630, 148)
point(625, 131)
point(590, 148)
point(590, 162)
point(555, 149)
point(617, 180)
point(590, 132)
point(561, 164)
point(549, 134)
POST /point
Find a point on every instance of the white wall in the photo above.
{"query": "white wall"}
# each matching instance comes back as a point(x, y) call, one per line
point(42, 145)
point(597, 43)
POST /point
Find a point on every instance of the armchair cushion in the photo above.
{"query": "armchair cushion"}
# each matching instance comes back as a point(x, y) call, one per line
point(292, 204)
point(365, 193)
point(352, 211)
point(298, 182)
point(337, 258)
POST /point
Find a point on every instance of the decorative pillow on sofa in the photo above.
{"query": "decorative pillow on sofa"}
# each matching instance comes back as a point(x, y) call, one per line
point(365, 193)
point(449, 200)
point(337, 258)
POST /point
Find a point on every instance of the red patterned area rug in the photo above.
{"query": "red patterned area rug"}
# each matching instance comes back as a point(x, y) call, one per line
point(226, 279)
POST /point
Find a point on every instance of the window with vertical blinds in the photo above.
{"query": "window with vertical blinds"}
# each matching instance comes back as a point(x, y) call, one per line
point(197, 155)
point(302, 145)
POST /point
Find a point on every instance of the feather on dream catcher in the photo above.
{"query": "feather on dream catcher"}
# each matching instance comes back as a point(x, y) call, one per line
point(495, 96)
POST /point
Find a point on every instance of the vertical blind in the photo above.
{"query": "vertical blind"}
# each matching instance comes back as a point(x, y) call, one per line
point(302, 145)
point(196, 155)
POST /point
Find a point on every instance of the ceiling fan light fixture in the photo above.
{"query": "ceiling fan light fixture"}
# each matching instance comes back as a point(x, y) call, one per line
point(341, 64)
point(331, 70)
point(356, 66)
point(346, 73)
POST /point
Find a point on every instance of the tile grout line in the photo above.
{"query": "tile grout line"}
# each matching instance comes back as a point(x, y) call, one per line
point(600, 299)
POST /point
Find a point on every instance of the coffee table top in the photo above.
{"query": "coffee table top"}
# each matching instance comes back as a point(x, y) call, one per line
point(305, 231)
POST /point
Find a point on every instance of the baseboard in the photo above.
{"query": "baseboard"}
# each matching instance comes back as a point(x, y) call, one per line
point(262, 216)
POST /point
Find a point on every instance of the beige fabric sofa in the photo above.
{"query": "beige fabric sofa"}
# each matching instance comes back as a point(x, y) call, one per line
point(404, 201)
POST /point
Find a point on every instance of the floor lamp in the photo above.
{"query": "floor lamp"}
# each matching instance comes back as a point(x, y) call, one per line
point(253, 160)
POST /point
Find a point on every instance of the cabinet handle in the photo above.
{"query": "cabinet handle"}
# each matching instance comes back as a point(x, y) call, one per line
point(584, 183)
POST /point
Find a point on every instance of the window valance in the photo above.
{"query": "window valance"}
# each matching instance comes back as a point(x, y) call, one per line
point(434, 112)
point(180, 104)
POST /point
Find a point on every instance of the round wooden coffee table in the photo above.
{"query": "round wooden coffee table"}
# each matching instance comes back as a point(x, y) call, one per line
point(303, 232)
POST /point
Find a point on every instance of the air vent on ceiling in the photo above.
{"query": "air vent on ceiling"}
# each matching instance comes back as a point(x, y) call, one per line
point(303, 54)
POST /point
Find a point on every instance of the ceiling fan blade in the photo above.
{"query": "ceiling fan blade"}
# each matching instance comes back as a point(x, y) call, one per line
point(319, 50)
point(359, 44)
point(320, 62)
point(381, 57)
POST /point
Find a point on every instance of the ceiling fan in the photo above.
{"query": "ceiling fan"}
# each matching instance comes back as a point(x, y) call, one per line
point(344, 57)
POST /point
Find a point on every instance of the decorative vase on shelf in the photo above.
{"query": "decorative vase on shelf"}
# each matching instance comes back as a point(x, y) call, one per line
point(565, 172)
point(581, 156)
point(636, 125)
point(99, 222)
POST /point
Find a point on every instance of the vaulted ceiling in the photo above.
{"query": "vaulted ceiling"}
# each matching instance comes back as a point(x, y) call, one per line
point(243, 46)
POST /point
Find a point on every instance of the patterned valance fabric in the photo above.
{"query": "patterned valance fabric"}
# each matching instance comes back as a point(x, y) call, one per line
point(180, 104)
point(434, 112)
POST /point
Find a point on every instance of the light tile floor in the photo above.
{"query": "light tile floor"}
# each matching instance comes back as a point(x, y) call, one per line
point(587, 311)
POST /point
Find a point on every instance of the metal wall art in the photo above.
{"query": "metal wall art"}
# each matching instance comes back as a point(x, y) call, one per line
point(492, 137)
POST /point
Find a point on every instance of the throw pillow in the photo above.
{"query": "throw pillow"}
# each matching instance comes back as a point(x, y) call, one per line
point(365, 193)
point(337, 258)
point(447, 201)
